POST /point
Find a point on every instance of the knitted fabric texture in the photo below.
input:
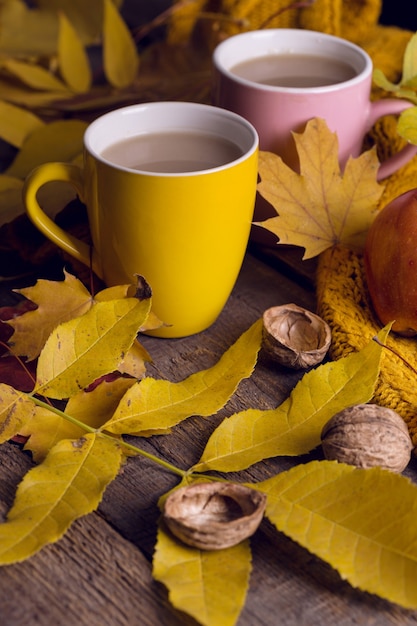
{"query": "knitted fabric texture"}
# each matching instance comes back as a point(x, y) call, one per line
point(351, 20)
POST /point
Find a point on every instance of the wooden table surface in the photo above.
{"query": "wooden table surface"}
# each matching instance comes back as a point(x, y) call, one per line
point(99, 574)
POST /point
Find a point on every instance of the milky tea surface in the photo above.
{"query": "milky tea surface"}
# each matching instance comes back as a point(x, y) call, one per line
point(294, 70)
point(173, 152)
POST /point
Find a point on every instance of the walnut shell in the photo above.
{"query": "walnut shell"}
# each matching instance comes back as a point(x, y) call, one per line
point(368, 435)
point(294, 336)
point(215, 515)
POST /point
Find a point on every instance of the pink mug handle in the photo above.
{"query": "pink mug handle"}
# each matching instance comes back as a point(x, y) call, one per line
point(391, 106)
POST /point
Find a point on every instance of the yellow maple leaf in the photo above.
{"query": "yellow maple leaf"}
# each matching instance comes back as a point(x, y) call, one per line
point(320, 207)
point(58, 301)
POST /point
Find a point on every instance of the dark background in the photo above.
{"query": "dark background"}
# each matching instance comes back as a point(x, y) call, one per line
point(401, 13)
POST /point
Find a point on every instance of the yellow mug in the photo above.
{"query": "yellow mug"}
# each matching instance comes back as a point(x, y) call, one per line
point(170, 192)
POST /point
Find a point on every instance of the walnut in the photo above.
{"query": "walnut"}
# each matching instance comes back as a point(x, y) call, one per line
point(368, 435)
point(294, 336)
point(215, 515)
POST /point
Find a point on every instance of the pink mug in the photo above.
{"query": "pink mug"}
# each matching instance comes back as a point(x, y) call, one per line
point(278, 79)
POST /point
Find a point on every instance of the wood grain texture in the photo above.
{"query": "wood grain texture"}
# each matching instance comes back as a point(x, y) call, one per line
point(99, 574)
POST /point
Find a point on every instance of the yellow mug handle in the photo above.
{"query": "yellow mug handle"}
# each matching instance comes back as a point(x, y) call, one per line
point(73, 175)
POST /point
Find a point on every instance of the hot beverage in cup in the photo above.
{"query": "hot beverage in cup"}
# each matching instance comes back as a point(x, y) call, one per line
point(170, 191)
point(278, 79)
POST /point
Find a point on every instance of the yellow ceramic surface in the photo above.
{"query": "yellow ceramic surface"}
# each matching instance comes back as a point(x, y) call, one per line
point(185, 233)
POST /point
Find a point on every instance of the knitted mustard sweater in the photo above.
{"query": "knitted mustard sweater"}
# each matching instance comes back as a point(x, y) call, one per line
point(342, 296)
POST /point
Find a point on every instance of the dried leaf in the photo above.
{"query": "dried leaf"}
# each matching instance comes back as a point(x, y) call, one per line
point(15, 410)
point(362, 522)
point(56, 141)
point(294, 427)
point(320, 208)
point(45, 429)
point(73, 60)
point(209, 585)
point(17, 123)
point(57, 302)
point(83, 349)
point(155, 406)
point(121, 59)
point(67, 485)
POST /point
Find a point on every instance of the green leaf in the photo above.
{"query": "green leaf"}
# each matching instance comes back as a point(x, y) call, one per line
point(407, 125)
point(67, 485)
point(121, 59)
point(83, 349)
point(15, 410)
point(73, 60)
point(362, 522)
point(209, 585)
point(294, 427)
point(154, 406)
point(57, 141)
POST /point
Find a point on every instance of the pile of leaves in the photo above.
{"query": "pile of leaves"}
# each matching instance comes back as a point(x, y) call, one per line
point(84, 384)
point(88, 387)
point(89, 390)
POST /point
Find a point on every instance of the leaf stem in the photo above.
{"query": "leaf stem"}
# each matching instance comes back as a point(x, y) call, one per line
point(125, 444)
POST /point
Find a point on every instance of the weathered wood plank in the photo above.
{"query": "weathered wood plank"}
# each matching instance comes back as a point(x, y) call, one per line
point(100, 572)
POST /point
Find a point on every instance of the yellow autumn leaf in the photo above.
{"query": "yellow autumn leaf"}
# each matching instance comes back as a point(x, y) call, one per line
point(24, 96)
point(361, 522)
point(86, 17)
point(34, 76)
point(120, 55)
point(410, 60)
point(407, 86)
point(73, 60)
point(57, 141)
point(25, 31)
point(17, 123)
point(46, 428)
point(407, 125)
point(154, 406)
point(294, 427)
point(66, 486)
point(15, 410)
point(209, 585)
point(320, 207)
point(52, 197)
point(81, 350)
point(57, 302)
point(134, 361)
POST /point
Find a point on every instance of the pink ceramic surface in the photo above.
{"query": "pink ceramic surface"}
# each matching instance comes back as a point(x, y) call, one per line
point(276, 111)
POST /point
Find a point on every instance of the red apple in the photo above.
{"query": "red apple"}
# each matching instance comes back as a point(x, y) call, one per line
point(391, 263)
